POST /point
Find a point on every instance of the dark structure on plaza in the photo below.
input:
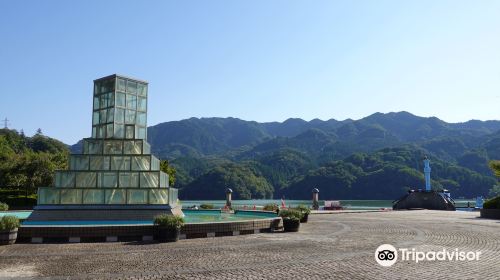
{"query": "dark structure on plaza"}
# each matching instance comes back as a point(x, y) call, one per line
point(115, 177)
point(425, 199)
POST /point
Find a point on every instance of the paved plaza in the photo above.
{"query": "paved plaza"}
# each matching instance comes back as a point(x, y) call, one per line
point(340, 246)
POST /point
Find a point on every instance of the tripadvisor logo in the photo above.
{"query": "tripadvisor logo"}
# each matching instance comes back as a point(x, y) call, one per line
point(387, 255)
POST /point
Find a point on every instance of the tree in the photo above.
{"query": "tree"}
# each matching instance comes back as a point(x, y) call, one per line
point(170, 170)
point(39, 131)
point(495, 167)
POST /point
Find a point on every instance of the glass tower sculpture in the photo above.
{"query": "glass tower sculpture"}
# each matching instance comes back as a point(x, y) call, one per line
point(116, 167)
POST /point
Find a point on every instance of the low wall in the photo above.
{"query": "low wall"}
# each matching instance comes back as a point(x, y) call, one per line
point(490, 213)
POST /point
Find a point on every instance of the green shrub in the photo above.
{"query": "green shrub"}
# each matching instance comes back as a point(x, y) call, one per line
point(4, 206)
point(207, 206)
point(270, 207)
point(304, 209)
point(493, 203)
point(8, 223)
point(169, 221)
point(291, 214)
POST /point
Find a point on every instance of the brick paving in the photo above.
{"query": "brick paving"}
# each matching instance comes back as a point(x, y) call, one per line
point(329, 246)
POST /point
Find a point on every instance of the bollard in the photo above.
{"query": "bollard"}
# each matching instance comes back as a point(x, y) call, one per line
point(229, 193)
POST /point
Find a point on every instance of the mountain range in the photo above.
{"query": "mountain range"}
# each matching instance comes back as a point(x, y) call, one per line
point(263, 160)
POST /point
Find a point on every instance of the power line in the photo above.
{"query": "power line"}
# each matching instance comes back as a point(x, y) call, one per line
point(6, 123)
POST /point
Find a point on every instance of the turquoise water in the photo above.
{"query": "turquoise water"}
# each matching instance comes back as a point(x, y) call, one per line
point(191, 217)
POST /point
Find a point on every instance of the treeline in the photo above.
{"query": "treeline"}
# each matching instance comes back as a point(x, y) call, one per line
point(27, 163)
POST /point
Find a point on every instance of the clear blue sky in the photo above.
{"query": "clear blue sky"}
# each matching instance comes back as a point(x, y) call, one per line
point(254, 60)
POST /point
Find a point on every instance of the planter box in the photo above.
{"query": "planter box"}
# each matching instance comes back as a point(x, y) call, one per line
point(304, 218)
point(8, 237)
point(291, 225)
point(490, 213)
point(168, 235)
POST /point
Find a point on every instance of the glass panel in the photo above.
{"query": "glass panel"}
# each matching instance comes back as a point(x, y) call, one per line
point(158, 196)
point(140, 132)
point(79, 162)
point(132, 147)
point(107, 180)
point(86, 179)
point(121, 84)
point(111, 114)
point(155, 163)
point(102, 116)
point(129, 180)
point(141, 118)
point(103, 100)
point(108, 85)
point(146, 148)
point(120, 115)
point(71, 196)
point(163, 180)
point(99, 163)
point(137, 197)
point(140, 162)
point(109, 131)
point(129, 131)
point(97, 88)
point(48, 196)
point(92, 147)
point(130, 117)
point(120, 99)
point(173, 195)
point(111, 99)
point(149, 180)
point(141, 89)
point(95, 118)
point(142, 104)
point(116, 196)
point(112, 147)
point(120, 163)
point(96, 103)
point(132, 102)
point(94, 132)
point(119, 131)
point(131, 87)
point(67, 179)
point(93, 196)
point(101, 131)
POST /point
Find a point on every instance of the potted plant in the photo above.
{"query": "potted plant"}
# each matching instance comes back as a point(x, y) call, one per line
point(8, 230)
point(207, 206)
point(271, 207)
point(291, 220)
point(4, 206)
point(169, 227)
point(305, 213)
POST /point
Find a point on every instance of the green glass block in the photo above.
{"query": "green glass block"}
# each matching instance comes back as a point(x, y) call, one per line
point(119, 131)
point(146, 148)
point(102, 116)
point(92, 147)
point(129, 131)
point(142, 89)
point(158, 196)
point(121, 84)
point(71, 196)
point(94, 196)
point(131, 102)
point(149, 180)
point(132, 87)
point(110, 113)
point(132, 147)
point(96, 103)
point(140, 132)
point(120, 163)
point(48, 196)
point(120, 115)
point(107, 180)
point(163, 180)
point(115, 196)
point(67, 179)
point(99, 163)
point(137, 197)
point(173, 196)
point(141, 118)
point(142, 104)
point(86, 179)
point(101, 131)
point(141, 163)
point(78, 162)
point(129, 180)
point(109, 131)
point(130, 117)
point(155, 163)
point(95, 118)
point(113, 147)
point(120, 99)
